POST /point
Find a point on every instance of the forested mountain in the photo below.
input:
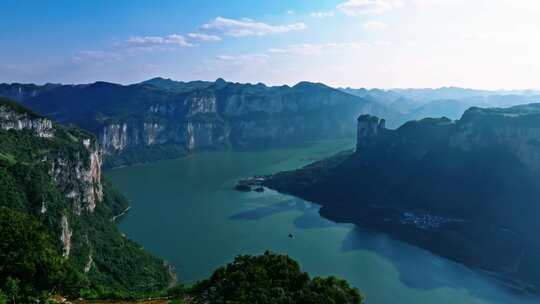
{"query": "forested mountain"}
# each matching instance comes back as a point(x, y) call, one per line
point(467, 190)
point(162, 118)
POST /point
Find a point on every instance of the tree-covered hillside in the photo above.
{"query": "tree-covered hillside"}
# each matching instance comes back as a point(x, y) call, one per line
point(50, 174)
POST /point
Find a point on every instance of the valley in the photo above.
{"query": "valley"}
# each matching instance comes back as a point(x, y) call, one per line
point(187, 211)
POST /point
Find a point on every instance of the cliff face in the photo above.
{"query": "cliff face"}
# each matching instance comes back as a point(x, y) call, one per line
point(191, 134)
point(79, 175)
point(515, 128)
point(79, 178)
point(163, 118)
point(466, 189)
point(75, 172)
point(13, 120)
point(228, 116)
point(54, 173)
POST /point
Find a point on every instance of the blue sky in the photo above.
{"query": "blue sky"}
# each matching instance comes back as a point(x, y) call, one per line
point(360, 43)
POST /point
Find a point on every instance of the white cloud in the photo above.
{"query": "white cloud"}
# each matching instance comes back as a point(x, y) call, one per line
point(368, 7)
point(152, 42)
point(248, 27)
point(243, 59)
point(204, 37)
point(322, 14)
point(290, 12)
point(382, 43)
point(318, 49)
point(96, 56)
point(426, 3)
point(375, 26)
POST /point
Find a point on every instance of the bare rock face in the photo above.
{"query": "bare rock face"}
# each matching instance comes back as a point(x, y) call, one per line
point(369, 127)
point(65, 236)
point(80, 178)
point(12, 120)
point(114, 137)
point(202, 104)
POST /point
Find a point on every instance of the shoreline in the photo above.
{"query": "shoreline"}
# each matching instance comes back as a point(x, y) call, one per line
point(113, 219)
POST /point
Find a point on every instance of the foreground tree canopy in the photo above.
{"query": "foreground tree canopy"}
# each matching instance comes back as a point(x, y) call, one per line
point(30, 265)
point(272, 278)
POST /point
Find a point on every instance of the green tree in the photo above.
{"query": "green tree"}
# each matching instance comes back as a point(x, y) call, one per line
point(3, 297)
point(272, 279)
point(12, 289)
point(30, 264)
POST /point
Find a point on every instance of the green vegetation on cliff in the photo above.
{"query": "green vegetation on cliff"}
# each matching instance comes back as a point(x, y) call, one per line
point(31, 266)
point(45, 180)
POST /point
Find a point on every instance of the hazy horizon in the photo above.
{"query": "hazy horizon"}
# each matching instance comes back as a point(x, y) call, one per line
point(343, 43)
point(284, 84)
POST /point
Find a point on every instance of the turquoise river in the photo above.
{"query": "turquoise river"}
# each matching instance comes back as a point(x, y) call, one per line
point(186, 211)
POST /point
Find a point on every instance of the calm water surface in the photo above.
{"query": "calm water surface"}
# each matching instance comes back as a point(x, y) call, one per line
point(185, 211)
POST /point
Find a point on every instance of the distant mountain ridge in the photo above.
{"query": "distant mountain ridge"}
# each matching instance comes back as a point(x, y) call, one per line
point(161, 118)
point(447, 101)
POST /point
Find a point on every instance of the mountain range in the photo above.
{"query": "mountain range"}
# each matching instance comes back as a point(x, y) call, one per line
point(162, 118)
point(451, 102)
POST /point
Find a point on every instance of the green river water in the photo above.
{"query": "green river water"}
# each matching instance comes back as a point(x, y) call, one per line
point(185, 211)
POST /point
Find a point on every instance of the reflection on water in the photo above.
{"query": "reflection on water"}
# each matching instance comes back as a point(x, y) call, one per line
point(310, 218)
point(417, 268)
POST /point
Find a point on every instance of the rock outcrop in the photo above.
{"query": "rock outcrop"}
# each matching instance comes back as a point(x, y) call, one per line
point(369, 127)
point(11, 119)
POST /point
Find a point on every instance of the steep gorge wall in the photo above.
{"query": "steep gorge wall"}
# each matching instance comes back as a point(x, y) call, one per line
point(76, 173)
point(54, 173)
point(146, 122)
point(206, 123)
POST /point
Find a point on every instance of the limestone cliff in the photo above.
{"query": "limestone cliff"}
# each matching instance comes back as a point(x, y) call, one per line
point(54, 173)
point(76, 172)
point(18, 120)
point(161, 119)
